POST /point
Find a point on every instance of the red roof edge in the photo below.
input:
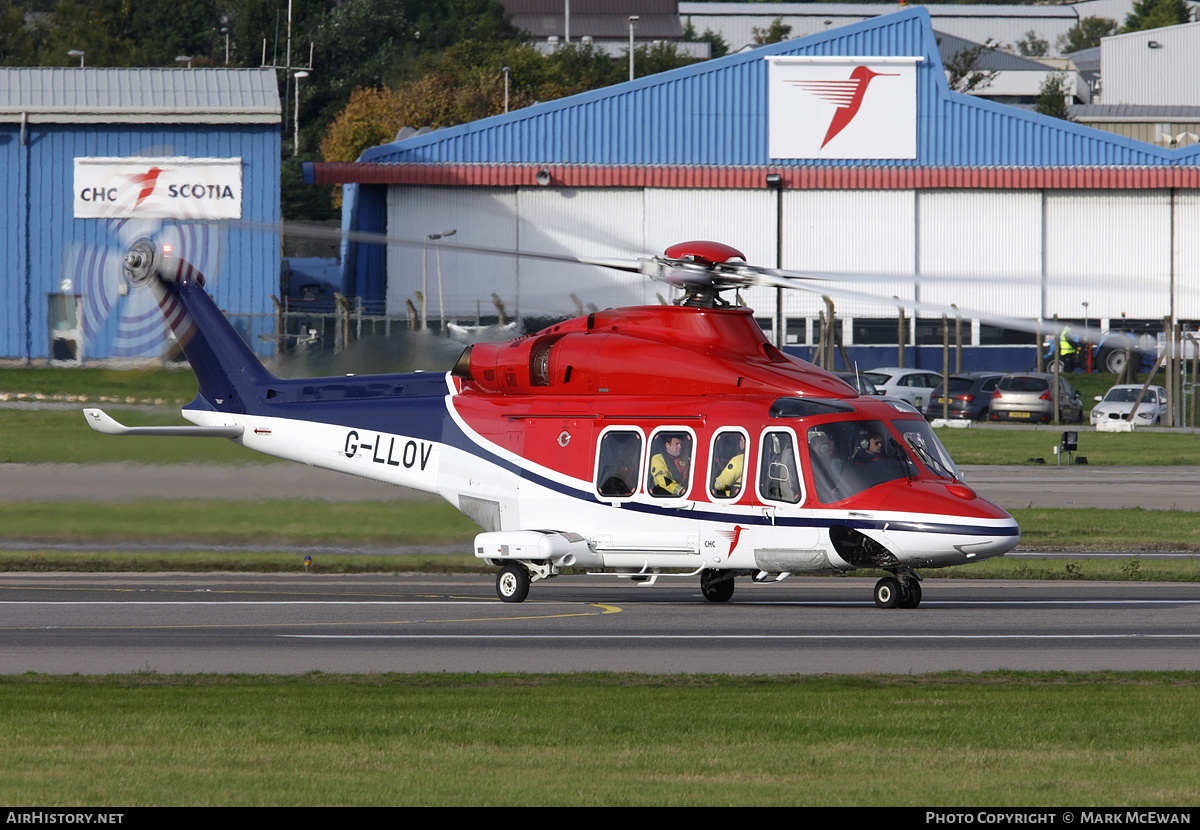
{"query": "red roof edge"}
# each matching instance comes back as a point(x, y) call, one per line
point(792, 178)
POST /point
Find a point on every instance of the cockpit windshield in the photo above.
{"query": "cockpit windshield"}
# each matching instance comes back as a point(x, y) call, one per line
point(848, 457)
point(926, 446)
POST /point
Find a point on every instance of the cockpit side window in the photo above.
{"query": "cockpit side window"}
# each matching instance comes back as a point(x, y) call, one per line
point(848, 457)
point(670, 473)
point(778, 478)
point(618, 463)
point(727, 463)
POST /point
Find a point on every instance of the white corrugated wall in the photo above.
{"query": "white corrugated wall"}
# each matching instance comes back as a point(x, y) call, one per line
point(1017, 253)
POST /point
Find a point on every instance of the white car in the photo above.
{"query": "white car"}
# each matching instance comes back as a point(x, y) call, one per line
point(1117, 404)
point(912, 385)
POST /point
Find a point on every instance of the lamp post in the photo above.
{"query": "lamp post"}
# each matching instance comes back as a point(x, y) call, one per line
point(506, 70)
point(184, 59)
point(633, 19)
point(433, 237)
point(296, 130)
point(77, 53)
point(1087, 343)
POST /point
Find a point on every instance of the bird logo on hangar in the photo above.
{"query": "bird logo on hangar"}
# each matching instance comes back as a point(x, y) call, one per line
point(847, 96)
point(830, 107)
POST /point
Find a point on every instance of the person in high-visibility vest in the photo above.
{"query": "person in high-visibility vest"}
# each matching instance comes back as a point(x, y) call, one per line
point(1067, 350)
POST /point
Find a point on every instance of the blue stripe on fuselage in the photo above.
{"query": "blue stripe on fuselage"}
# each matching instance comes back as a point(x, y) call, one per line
point(414, 405)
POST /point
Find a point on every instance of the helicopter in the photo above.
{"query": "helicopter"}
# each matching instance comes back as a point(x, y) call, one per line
point(646, 442)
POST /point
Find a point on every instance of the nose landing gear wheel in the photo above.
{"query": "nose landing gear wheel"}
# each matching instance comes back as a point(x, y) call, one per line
point(512, 584)
point(887, 592)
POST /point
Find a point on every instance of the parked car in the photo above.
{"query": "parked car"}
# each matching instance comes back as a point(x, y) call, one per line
point(860, 383)
point(970, 396)
point(1117, 405)
point(912, 385)
point(1030, 397)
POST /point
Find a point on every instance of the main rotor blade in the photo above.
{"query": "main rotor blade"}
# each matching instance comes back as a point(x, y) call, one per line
point(1041, 327)
point(363, 237)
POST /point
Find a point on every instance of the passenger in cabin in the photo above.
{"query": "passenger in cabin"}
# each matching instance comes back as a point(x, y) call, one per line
point(729, 483)
point(669, 468)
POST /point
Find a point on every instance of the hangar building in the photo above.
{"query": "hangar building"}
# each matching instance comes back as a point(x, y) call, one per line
point(92, 159)
point(842, 152)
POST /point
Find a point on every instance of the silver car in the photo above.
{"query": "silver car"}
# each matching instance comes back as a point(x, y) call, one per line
point(1029, 397)
point(1117, 405)
point(912, 385)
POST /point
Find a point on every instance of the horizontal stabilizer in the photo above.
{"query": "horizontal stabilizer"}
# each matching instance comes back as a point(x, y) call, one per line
point(101, 421)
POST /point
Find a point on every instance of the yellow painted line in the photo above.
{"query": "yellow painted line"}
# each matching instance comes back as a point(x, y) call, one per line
point(603, 610)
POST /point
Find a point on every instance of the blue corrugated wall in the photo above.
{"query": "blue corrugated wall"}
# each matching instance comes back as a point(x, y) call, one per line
point(715, 113)
point(39, 227)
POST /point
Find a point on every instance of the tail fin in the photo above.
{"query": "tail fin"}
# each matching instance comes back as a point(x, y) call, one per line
point(230, 375)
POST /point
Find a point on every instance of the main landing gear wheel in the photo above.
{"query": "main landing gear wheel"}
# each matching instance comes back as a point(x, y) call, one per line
point(910, 595)
point(512, 584)
point(716, 586)
point(887, 592)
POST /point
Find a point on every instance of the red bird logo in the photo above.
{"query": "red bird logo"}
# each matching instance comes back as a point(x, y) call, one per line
point(147, 180)
point(847, 95)
point(732, 536)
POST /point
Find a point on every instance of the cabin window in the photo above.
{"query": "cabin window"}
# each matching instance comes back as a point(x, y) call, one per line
point(728, 459)
point(618, 464)
point(777, 472)
point(670, 472)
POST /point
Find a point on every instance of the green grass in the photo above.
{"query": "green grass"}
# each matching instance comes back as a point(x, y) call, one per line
point(59, 561)
point(1019, 446)
point(281, 522)
point(173, 386)
point(998, 739)
point(41, 436)
point(1098, 529)
point(297, 522)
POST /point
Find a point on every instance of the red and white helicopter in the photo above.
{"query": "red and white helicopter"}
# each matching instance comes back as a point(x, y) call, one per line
point(647, 441)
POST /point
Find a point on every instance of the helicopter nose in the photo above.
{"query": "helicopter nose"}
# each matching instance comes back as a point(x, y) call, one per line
point(950, 524)
point(987, 546)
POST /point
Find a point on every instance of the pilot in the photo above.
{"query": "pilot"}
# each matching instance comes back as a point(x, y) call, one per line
point(871, 452)
point(669, 469)
point(729, 482)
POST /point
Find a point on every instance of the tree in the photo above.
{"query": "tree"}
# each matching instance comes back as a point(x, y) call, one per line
point(20, 33)
point(383, 43)
point(1086, 34)
point(1032, 46)
point(718, 46)
point(962, 70)
point(659, 57)
point(777, 31)
point(1053, 95)
point(1154, 14)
